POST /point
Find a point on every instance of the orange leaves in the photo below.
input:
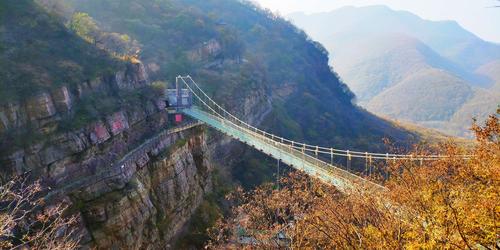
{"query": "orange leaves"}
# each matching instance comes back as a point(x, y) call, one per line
point(452, 203)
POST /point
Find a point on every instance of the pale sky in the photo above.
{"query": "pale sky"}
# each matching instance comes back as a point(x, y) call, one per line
point(473, 15)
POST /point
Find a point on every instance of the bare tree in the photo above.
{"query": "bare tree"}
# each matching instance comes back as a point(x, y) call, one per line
point(27, 221)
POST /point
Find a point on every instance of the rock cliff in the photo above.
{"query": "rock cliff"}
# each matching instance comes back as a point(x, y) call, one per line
point(152, 206)
point(133, 180)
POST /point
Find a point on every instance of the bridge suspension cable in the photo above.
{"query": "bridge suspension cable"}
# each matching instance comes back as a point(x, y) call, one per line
point(315, 150)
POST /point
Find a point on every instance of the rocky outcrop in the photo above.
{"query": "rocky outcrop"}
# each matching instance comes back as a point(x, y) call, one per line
point(117, 123)
point(209, 49)
point(135, 76)
point(79, 148)
point(11, 116)
point(40, 107)
point(62, 99)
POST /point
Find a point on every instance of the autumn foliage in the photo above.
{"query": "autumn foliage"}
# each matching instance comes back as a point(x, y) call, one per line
point(452, 203)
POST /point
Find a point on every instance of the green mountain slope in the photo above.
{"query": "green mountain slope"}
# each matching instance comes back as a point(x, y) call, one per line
point(38, 53)
point(256, 64)
point(274, 55)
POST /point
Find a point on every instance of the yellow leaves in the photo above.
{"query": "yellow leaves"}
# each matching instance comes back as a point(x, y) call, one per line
point(447, 204)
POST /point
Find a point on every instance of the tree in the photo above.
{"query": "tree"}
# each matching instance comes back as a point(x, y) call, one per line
point(84, 26)
point(451, 203)
point(119, 44)
point(28, 222)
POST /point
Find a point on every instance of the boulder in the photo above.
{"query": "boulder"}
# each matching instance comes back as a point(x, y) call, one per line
point(135, 76)
point(117, 123)
point(62, 99)
point(40, 107)
point(98, 133)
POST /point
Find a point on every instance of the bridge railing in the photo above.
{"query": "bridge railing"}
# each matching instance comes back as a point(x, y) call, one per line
point(279, 143)
point(351, 180)
point(313, 150)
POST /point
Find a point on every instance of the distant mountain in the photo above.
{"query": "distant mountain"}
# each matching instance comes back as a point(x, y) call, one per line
point(374, 63)
point(448, 38)
point(408, 68)
point(491, 70)
point(447, 95)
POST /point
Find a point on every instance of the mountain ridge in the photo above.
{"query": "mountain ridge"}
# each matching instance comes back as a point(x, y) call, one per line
point(446, 37)
point(375, 49)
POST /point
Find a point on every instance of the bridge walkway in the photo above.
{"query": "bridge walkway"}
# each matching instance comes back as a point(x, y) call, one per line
point(295, 158)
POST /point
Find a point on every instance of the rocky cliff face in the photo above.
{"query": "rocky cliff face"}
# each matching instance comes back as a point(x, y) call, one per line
point(151, 206)
point(134, 182)
point(42, 114)
point(43, 110)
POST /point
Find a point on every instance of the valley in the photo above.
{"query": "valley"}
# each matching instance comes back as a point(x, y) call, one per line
point(93, 155)
point(435, 74)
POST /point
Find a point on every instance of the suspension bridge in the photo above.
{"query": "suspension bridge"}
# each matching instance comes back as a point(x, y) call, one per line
point(310, 159)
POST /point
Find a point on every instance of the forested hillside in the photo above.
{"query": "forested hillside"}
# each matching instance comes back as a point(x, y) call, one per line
point(255, 63)
point(38, 53)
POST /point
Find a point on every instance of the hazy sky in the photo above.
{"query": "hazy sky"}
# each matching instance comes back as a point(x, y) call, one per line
point(474, 15)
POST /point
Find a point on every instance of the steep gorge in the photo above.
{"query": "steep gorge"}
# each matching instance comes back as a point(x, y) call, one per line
point(101, 140)
point(134, 182)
